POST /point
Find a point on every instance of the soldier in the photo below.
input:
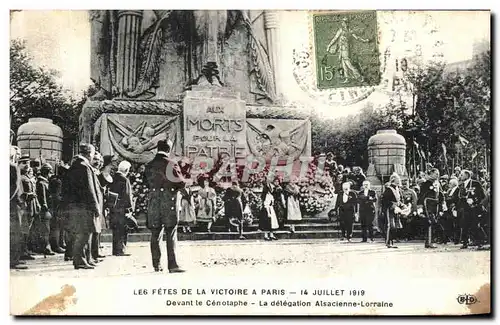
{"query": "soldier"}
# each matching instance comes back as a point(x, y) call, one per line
point(393, 208)
point(470, 195)
point(432, 202)
point(164, 179)
point(366, 208)
point(44, 217)
point(16, 236)
point(56, 226)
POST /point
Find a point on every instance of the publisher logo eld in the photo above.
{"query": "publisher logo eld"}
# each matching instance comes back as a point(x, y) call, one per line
point(466, 299)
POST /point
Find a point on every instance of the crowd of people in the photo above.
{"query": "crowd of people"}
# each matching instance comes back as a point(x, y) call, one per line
point(64, 211)
point(440, 208)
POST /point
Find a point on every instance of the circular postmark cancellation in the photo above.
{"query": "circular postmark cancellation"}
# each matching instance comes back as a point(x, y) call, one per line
point(351, 54)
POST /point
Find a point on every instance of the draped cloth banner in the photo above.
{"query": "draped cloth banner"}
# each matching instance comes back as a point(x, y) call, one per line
point(135, 137)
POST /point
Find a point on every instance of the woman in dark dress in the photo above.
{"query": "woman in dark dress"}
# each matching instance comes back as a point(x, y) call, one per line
point(279, 203)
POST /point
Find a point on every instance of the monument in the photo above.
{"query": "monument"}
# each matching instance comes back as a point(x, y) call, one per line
point(206, 80)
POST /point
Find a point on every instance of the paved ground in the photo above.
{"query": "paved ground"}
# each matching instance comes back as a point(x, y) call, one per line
point(415, 279)
point(245, 257)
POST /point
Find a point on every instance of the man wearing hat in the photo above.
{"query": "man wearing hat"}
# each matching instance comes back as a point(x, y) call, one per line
point(164, 180)
point(470, 195)
point(83, 205)
point(432, 202)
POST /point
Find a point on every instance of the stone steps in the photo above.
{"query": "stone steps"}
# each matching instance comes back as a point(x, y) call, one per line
point(308, 228)
point(281, 234)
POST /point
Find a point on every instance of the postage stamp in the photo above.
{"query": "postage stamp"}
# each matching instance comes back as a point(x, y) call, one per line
point(346, 49)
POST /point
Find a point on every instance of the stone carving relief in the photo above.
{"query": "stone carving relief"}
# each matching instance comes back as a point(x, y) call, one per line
point(130, 54)
point(278, 138)
point(136, 139)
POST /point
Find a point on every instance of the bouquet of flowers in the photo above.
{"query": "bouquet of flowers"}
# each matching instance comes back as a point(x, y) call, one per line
point(315, 192)
point(139, 193)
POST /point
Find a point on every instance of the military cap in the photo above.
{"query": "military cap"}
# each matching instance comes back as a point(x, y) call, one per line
point(24, 157)
point(46, 167)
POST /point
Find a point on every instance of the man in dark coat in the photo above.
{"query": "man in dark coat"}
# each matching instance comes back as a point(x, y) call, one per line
point(121, 186)
point(346, 207)
point(164, 179)
point(56, 227)
point(84, 207)
point(44, 217)
point(366, 202)
point(470, 196)
point(95, 237)
point(432, 202)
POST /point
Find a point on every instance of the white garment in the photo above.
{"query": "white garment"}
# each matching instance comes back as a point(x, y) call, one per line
point(268, 204)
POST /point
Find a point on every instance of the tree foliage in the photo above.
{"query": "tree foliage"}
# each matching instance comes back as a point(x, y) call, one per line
point(35, 92)
point(447, 106)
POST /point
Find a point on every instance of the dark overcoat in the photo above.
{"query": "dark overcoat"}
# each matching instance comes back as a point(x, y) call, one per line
point(164, 179)
point(81, 197)
point(121, 186)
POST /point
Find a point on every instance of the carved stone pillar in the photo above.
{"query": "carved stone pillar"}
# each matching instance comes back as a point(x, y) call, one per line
point(129, 32)
point(271, 25)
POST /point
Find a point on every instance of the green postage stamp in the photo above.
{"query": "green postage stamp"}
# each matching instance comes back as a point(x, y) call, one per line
point(346, 49)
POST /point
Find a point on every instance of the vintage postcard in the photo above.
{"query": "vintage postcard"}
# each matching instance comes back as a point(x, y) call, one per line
point(250, 162)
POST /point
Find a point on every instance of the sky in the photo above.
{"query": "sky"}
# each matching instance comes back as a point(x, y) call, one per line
point(61, 39)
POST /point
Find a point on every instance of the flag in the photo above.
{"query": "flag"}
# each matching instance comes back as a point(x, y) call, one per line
point(463, 140)
point(444, 153)
point(474, 155)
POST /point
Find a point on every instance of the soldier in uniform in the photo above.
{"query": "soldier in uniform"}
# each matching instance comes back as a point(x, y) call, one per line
point(164, 180)
point(432, 202)
point(393, 209)
point(16, 236)
point(366, 208)
point(470, 196)
point(44, 217)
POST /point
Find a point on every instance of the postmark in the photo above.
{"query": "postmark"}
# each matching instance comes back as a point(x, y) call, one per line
point(346, 49)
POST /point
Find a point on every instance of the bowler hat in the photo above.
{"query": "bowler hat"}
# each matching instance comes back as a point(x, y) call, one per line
point(108, 159)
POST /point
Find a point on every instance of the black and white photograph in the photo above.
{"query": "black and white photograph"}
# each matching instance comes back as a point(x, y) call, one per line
point(250, 162)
